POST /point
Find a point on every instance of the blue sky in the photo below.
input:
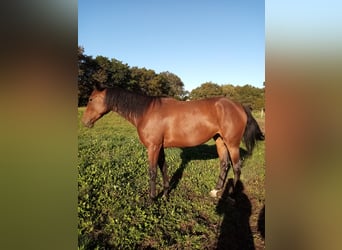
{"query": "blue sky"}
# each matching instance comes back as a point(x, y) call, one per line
point(221, 41)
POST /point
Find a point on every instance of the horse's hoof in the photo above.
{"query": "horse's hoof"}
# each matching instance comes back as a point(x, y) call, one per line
point(213, 193)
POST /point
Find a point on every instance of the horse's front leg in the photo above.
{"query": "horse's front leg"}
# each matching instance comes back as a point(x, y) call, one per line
point(163, 169)
point(153, 153)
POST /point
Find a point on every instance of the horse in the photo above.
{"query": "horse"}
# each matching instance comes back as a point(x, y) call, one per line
point(163, 122)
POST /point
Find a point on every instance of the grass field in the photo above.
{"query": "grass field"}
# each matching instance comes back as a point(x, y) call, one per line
point(115, 211)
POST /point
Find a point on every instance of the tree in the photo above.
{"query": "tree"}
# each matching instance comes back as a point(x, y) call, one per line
point(141, 80)
point(247, 95)
point(229, 91)
point(206, 90)
point(87, 67)
point(149, 82)
point(119, 74)
point(174, 86)
point(102, 73)
point(112, 72)
point(250, 96)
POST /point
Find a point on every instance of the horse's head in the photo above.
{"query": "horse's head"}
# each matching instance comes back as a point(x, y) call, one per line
point(96, 108)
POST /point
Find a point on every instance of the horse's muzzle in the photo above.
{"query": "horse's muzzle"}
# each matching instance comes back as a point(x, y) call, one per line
point(88, 124)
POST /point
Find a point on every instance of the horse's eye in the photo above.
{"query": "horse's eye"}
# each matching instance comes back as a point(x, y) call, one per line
point(90, 99)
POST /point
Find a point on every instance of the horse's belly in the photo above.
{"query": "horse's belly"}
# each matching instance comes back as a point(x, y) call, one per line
point(188, 142)
point(188, 136)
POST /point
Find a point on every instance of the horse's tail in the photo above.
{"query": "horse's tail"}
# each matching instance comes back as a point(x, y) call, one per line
point(252, 132)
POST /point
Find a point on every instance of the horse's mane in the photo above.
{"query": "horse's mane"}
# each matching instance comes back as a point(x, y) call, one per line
point(127, 103)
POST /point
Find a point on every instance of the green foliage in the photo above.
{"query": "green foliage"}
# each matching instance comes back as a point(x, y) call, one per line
point(250, 96)
point(114, 209)
point(112, 72)
point(228, 90)
point(87, 68)
point(173, 85)
point(206, 90)
point(115, 73)
point(247, 94)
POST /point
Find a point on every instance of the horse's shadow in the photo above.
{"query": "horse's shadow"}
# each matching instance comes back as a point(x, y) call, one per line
point(261, 222)
point(236, 209)
point(201, 152)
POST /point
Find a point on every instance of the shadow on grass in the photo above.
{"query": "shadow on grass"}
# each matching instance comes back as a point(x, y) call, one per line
point(261, 222)
point(236, 208)
point(201, 152)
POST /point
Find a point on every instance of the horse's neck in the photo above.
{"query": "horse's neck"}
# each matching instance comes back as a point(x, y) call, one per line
point(133, 107)
point(129, 113)
point(130, 117)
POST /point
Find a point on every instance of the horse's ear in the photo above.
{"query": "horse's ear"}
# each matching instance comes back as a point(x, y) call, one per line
point(99, 86)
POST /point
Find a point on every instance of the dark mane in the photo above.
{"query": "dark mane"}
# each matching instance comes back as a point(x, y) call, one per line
point(128, 104)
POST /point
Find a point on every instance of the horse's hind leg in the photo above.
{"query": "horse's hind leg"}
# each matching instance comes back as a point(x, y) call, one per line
point(235, 158)
point(224, 165)
point(163, 169)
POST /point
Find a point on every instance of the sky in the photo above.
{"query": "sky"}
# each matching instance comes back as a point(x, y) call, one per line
point(200, 41)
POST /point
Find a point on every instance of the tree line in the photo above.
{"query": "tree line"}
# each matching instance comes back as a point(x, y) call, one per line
point(112, 72)
point(248, 95)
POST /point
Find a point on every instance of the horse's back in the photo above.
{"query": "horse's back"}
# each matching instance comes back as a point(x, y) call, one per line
point(188, 123)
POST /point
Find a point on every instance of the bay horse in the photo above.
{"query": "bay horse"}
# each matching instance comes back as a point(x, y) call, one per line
point(163, 122)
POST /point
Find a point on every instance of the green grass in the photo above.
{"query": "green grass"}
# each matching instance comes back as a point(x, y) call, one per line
point(115, 211)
